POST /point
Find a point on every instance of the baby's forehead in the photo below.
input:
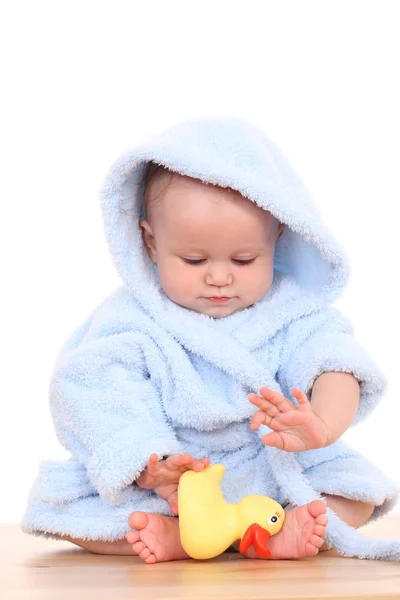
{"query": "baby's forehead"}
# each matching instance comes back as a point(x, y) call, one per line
point(215, 227)
point(174, 193)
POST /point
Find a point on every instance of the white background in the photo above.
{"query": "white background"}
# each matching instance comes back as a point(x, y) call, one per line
point(83, 81)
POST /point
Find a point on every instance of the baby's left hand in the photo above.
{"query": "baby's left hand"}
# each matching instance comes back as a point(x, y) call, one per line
point(295, 429)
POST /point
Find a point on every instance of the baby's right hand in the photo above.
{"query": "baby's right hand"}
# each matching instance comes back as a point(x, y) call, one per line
point(162, 476)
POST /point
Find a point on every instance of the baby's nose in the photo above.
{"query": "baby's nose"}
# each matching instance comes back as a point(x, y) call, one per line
point(219, 276)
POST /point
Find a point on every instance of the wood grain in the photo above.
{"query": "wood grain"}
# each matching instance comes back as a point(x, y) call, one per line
point(38, 568)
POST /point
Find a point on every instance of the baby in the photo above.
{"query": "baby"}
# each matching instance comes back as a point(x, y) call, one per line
point(228, 278)
point(214, 252)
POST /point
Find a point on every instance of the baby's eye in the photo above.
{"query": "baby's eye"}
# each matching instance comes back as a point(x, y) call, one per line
point(200, 261)
point(194, 261)
point(243, 263)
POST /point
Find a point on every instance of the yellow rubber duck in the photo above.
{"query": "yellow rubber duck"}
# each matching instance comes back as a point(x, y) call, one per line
point(209, 525)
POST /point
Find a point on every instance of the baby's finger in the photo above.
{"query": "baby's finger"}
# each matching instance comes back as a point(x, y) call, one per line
point(273, 439)
point(177, 460)
point(152, 464)
point(303, 402)
point(199, 464)
point(173, 503)
point(259, 418)
point(278, 399)
point(264, 405)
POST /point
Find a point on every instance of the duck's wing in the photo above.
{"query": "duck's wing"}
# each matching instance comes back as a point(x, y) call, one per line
point(204, 485)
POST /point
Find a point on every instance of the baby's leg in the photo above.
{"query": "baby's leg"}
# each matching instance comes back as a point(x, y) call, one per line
point(119, 547)
point(352, 512)
point(155, 539)
point(302, 533)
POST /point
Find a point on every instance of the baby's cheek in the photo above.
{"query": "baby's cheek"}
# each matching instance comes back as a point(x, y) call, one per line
point(257, 283)
point(189, 284)
point(177, 283)
point(166, 277)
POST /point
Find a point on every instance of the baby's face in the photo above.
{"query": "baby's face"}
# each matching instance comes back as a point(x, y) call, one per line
point(213, 248)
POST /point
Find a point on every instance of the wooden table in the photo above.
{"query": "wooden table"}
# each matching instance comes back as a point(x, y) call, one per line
point(37, 568)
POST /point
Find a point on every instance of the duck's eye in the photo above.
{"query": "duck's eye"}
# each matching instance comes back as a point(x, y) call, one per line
point(273, 519)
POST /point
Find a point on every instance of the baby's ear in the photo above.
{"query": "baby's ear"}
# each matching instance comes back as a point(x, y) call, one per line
point(149, 239)
point(280, 230)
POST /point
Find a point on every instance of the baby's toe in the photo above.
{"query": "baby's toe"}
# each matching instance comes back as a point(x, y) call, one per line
point(317, 508)
point(316, 541)
point(151, 559)
point(319, 530)
point(132, 537)
point(139, 547)
point(138, 520)
point(322, 519)
point(311, 550)
point(145, 553)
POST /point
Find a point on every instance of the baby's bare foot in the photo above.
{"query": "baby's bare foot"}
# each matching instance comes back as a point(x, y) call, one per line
point(156, 538)
point(302, 533)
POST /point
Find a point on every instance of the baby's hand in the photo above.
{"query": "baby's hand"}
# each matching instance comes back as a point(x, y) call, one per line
point(295, 429)
point(162, 476)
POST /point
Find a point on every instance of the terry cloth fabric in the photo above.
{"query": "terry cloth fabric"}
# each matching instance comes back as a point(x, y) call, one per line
point(144, 375)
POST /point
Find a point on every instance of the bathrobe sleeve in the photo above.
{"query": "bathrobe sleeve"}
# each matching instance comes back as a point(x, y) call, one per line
point(321, 342)
point(108, 412)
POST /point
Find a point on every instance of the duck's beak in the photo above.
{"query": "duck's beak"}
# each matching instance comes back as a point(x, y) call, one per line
point(256, 536)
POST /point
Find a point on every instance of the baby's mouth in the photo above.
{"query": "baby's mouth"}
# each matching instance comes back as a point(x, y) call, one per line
point(217, 299)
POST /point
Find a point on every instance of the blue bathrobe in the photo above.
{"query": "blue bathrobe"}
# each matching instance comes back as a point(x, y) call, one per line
point(144, 375)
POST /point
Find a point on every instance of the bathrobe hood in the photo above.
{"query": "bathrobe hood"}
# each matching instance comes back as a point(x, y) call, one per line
point(227, 152)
